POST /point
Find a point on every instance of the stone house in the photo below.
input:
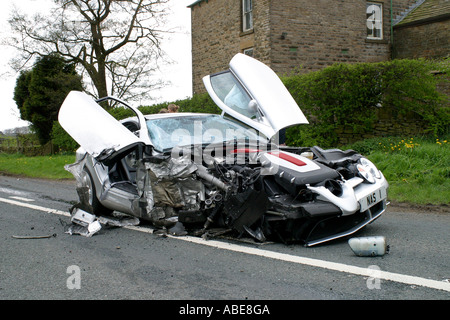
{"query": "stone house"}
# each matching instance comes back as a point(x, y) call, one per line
point(303, 35)
point(424, 31)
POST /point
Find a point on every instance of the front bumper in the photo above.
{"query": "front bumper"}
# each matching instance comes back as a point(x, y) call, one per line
point(338, 227)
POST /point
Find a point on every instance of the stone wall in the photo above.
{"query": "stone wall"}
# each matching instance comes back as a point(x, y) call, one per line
point(287, 34)
point(213, 37)
point(217, 36)
point(389, 123)
point(316, 34)
point(431, 40)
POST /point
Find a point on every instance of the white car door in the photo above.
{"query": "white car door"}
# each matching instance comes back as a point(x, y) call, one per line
point(94, 129)
point(251, 92)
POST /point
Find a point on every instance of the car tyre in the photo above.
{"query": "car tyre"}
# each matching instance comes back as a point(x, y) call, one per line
point(97, 207)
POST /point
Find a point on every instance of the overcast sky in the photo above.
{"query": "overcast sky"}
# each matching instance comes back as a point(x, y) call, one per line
point(178, 48)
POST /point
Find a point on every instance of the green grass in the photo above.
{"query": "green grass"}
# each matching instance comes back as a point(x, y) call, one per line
point(417, 169)
point(46, 167)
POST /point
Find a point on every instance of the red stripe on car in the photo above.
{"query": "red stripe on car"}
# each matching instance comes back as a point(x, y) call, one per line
point(289, 158)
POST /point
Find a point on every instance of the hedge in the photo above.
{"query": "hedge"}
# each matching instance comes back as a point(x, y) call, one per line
point(350, 94)
point(342, 95)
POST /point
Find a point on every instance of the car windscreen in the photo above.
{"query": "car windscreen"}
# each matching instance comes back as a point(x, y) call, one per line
point(169, 132)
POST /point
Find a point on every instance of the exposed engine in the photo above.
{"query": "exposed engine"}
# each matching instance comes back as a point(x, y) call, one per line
point(256, 198)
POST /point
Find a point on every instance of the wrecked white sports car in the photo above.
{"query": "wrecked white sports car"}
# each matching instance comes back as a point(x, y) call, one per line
point(208, 174)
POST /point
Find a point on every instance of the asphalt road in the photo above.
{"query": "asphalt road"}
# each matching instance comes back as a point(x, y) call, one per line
point(134, 263)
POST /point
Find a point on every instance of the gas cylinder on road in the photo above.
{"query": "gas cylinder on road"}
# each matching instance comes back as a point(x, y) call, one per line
point(369, 246)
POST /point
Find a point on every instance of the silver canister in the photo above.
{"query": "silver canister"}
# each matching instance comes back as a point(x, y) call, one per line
point(369, 246)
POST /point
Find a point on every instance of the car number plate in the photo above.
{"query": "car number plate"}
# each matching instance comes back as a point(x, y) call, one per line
point(372, 198)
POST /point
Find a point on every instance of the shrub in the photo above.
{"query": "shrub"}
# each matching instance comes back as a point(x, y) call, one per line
point(62, 141)
point(39, 92)
point(199, 103)
point(345, 95)
point(348, 95)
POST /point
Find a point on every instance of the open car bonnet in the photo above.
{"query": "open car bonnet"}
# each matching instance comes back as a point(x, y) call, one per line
point(93, 128)
point(252, 93)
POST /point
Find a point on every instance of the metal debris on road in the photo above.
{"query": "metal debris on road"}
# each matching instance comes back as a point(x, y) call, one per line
point(35, 237)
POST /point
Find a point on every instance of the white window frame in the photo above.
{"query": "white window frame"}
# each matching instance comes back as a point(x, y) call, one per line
point(247, 15)
point(374, 20)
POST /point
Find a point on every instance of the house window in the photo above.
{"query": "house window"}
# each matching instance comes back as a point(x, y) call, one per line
point(374, 21)
point(247, 15)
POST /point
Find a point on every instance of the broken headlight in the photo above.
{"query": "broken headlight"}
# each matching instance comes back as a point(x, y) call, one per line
point(368, 170)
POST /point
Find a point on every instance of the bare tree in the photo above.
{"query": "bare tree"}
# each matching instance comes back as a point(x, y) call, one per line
point(115, 42)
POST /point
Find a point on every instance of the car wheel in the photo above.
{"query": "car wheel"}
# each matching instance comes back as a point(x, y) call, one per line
point(88, 183)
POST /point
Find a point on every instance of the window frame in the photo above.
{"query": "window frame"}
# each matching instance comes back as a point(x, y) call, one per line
point(247, 15)
point(371, 36)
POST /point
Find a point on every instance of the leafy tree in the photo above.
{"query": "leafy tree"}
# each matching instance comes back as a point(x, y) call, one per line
point(39, 92)
point(115, 42)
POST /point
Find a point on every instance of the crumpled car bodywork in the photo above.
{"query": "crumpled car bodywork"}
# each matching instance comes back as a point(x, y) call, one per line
point(208, 174)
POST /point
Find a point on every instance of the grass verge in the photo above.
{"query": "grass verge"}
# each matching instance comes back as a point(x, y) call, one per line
point(45, 167)
point(417, 169)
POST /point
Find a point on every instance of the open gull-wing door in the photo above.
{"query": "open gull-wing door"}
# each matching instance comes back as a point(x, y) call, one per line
point(99, 133)
point(251, 92)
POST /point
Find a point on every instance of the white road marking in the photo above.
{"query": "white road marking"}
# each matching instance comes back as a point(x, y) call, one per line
point(15, 192)
point(35, 207)
point(366, 272)
point(22, 199)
